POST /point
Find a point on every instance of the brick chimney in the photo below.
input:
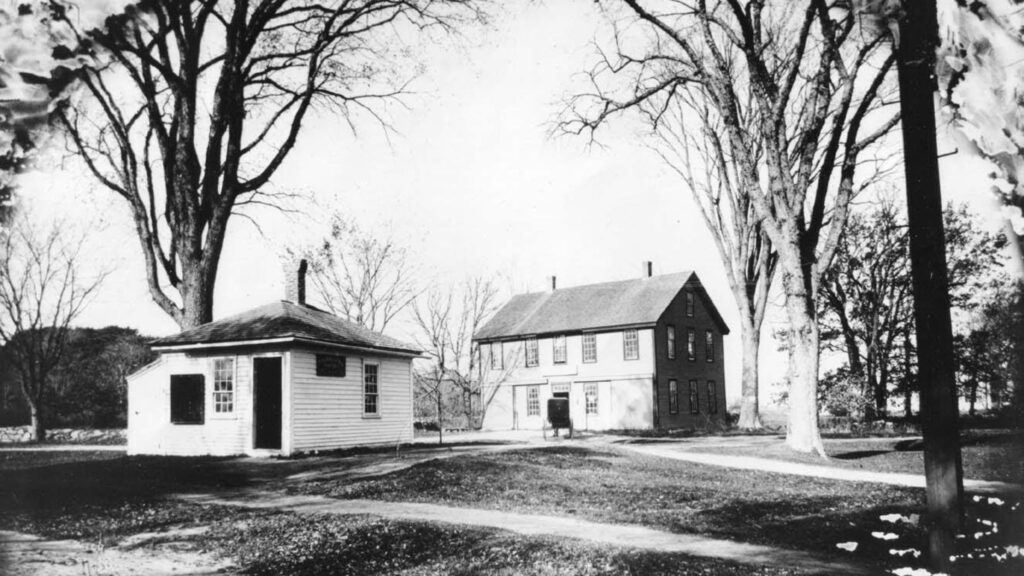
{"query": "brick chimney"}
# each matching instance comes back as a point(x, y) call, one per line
point(295, 281)
point(553, 282)
point(648, 269)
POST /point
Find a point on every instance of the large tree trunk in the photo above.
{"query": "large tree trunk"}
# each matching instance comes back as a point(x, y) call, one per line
point(802, 432)
point(197, 297)
point(939, 411)
point(750, 417)
point(38, 425)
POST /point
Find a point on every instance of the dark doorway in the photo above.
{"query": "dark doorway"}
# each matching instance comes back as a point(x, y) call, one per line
point(267, 382)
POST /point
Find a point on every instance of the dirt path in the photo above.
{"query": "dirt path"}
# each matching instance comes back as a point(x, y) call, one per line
point(25, 555)
point(679, 452)
point(619, 535)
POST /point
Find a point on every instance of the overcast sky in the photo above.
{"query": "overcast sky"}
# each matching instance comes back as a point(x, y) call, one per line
point(471, 182)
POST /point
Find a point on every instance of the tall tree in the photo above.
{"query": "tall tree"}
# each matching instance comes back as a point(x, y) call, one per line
point(363, 277)
point(687, 136)
point(916, 50)
point(809, 80)
point(867, 306)
point(42, 291)
point(193, 107)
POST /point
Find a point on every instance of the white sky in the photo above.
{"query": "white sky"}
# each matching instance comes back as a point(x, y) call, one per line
point(472, 184)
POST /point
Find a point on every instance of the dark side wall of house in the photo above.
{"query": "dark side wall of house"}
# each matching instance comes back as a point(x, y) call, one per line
point(683, 370)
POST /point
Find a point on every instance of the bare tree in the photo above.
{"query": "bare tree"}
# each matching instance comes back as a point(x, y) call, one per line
point(362, 277)
point(688, 138)
point(193, 107)
point(807, 79)
point(447, 321)
point(41, 292)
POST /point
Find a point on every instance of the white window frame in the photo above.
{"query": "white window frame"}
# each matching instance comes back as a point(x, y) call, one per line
point(589, 345)
point(532, 352)
point(533, 400)
point(497, 359)
point(558, 345)
point(223, 398)
point(590, 395)
point(376, 394)
point(631, 344)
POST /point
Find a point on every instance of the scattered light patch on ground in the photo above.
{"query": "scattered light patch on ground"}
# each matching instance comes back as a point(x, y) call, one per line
point(26, 555)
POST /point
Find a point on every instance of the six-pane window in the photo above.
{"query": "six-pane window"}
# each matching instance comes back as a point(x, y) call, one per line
point(590, 347)
point(712, 398)
point(694, 398)
point(224, 385)
point(533, 401)
point(709, 345)
point(630, 345)
point(671, 337)
point(370, 389)
point(673, 397)
point(590, 391)
point(691, 344)
point(497, 355)
point(689, 304)
point(558, 352)
point(531, 352)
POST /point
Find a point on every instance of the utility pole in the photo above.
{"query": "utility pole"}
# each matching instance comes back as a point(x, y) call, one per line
point(918, 41)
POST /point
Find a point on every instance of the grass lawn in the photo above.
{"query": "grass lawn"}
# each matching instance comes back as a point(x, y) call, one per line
point(611, 485)
point(104, 497)
point(987, 455)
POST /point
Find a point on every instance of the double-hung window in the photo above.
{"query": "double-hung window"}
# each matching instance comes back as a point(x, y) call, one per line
point(589, 347)
point(532, 352)
point(712, 397)
point(590, 393)
point(630, 345)
point(670, 341)
point(691, 344)
point(497, 355)
point(689, 304)
point(533, 401)
point(371, 390)
point(694, 398)
point(558, 349)
point(673, 397)
point(709, 345)
point(224, 385)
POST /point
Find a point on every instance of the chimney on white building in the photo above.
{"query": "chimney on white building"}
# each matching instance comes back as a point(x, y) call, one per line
point(295, 281)
point(553, 282)
point(648, 269)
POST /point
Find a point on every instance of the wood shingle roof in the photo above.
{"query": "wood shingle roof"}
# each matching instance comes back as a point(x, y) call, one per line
point(285, 320)
point(637, 302)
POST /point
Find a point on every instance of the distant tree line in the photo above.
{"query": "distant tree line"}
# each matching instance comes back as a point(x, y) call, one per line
point(87, 388)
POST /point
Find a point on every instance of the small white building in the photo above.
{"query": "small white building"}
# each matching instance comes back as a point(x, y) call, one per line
point(276, 380)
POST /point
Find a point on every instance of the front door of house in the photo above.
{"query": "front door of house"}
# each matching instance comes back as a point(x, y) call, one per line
point(267, 409)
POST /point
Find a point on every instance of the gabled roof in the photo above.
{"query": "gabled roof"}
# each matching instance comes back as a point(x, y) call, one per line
point(285, 321)
point(636, 302)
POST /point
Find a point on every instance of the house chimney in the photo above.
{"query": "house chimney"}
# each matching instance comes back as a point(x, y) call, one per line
point(648, 269)
point(553, 281)
point(295, 282)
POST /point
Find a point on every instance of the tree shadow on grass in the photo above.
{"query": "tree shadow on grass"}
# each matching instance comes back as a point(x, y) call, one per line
point(858, 454)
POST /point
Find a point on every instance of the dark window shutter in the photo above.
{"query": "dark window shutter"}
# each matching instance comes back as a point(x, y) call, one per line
point(187, 398)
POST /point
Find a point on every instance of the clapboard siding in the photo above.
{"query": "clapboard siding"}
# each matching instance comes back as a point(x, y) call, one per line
point(328, 412)
point(150, 430)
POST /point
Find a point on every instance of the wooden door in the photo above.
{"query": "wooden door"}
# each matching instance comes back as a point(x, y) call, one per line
point(267, 408)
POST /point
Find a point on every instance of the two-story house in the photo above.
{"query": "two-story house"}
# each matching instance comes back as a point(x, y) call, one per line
point(643, 353)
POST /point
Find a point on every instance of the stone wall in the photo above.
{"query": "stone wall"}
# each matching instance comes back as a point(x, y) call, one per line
point(20, 434)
